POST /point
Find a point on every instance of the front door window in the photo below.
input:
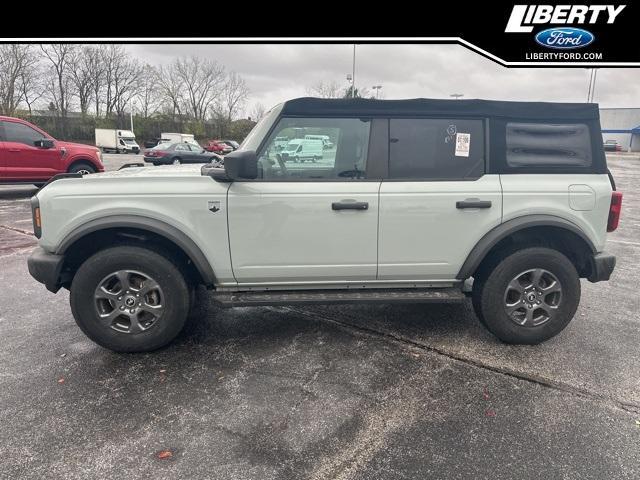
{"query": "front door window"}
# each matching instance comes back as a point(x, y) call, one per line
point(315, 148)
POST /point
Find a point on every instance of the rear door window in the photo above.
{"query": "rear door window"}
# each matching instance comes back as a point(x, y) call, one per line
point(545, 144)
point(438, 149)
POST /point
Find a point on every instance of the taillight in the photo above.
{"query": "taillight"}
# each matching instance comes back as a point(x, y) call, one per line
point(614, 211)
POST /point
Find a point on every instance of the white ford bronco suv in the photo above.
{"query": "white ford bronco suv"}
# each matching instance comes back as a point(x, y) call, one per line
point(415, 201)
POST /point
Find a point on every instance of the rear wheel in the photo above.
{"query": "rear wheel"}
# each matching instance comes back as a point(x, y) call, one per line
point(177, 161)
point(528, 296)
point(129, 299)
point(82, 168)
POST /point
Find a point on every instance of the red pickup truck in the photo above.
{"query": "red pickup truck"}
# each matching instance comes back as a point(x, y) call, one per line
point(30, 155)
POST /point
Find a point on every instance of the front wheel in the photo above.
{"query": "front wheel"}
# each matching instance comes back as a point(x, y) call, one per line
point(176, 161)
point(129, 299)
point(528, 296)
point(82, 168)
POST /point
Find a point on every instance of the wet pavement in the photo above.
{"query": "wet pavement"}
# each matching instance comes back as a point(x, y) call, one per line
point(358, 392)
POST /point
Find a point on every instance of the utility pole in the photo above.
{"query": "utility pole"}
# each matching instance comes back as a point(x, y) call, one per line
point(377, 89)
point(457, 96)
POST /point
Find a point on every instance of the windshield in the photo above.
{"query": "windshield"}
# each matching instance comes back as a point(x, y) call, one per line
point(163, 146)
point(129, 141)
point(260, 130)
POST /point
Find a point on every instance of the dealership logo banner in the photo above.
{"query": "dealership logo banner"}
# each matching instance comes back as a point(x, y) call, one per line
point(512, 34)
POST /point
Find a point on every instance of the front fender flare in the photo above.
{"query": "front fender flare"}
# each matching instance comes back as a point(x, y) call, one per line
point(509, 227)
point(153, 225)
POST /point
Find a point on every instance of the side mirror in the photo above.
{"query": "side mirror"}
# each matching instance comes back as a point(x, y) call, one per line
point(241, 164)
point(238, 165)
point(44, 143)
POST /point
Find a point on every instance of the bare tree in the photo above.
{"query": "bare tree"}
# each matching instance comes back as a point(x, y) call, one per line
point(82, 65)
point(259, 110)
point(126, 84)
point(121, 79)
point(325, 90)
point(59, 85)
point(32, 85)
point(111, 57)
point(234, 95)
point(97, 72)
point(148, 98)
point(171, 87)
point(17, 65)
point(203, 81)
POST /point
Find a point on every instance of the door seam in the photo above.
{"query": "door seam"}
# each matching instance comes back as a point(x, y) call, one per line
point(229, 235)
point(378, 231)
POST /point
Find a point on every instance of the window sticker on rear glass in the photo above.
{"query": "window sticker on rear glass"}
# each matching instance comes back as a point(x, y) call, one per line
point(463, 141)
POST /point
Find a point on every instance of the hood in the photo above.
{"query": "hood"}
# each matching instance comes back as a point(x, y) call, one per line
point(150, 172)
point(76, 146)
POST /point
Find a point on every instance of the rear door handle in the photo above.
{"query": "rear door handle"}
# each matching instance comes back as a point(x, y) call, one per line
point(15, 150)
point(473, 203)
point(350, 206)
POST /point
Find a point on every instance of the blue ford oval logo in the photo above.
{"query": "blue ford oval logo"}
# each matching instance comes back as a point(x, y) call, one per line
point(564, 38)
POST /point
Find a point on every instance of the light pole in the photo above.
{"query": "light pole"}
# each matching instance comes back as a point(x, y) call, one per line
point(592, 85)
point(353, 76)
point(377, 89)
point(131, 114)
point(457, 96)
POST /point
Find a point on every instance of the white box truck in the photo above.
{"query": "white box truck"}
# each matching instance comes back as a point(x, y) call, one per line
point(177, 138)
point(118, 141)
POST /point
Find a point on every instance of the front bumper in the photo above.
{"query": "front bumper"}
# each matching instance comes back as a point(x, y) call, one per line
point(46, 268)
point(602, 265)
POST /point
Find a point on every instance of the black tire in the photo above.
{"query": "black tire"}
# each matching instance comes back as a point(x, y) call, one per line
point(175, 291)
point(82, 167)
point(489, 290)
point(156, 163)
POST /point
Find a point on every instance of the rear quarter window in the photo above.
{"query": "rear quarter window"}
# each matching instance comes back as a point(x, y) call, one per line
point(545, 144)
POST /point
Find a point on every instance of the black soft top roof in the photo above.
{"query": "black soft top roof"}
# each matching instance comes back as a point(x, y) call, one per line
point(427, 106)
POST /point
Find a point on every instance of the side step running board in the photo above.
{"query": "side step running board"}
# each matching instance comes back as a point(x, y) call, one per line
point(293, 297)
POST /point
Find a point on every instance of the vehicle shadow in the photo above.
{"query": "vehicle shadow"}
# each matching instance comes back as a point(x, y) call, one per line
point(209, 323)
point(17, 192)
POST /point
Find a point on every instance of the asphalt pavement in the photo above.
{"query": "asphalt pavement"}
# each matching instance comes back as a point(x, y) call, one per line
point(348, 392)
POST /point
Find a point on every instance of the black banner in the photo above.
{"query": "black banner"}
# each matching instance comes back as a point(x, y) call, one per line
point(512, 34)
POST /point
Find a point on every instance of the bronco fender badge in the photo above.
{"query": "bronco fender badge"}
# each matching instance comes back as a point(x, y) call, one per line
point(213, 205)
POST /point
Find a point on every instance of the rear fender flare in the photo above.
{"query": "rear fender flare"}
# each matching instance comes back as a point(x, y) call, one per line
point(502, 231)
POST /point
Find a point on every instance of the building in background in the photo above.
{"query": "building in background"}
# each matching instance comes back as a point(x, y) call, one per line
point(623, 126)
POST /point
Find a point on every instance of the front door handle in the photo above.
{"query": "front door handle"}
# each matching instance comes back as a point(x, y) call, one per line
point(350, 206)
point(473, 203)
point(14, 150)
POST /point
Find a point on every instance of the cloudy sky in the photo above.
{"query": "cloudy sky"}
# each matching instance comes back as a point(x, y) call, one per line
point(278, 72)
